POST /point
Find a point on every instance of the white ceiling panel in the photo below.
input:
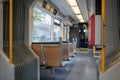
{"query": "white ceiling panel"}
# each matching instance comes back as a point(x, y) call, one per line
point(91, 5)
point(65, 9)
point(83, 7)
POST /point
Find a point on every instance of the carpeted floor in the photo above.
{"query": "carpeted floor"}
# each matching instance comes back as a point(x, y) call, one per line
point(80, 67)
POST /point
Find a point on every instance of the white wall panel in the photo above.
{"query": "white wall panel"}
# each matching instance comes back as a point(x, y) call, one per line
point(112, 28)
point(6, 69)
point(113, 40)
point(29, 29)
point(98, 30)
point(112, 74)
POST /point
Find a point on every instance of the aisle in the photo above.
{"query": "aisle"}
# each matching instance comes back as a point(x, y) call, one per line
point(80, 67)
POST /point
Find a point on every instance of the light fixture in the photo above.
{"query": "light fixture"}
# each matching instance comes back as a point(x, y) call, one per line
point(82, 20)
point(72, 2)
point(76, 10)
point(57, 21)
point(79, 17)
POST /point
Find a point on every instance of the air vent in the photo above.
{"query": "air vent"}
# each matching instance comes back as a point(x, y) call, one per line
point(49, 8)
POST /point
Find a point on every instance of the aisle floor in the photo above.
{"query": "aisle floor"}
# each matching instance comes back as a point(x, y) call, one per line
point(80, 67)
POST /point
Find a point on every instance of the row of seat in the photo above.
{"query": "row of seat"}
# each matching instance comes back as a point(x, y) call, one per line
point(54, 54)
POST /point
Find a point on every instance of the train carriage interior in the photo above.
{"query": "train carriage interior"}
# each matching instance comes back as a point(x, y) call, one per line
point(59, 40)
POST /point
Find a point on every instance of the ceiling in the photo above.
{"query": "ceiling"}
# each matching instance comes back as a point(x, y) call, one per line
point(91, 7)
point(83, 8)
point(65, 9)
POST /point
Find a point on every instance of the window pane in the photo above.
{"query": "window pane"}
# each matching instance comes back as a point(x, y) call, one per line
point(64, 34)
point(42, 26)
point(56, 33)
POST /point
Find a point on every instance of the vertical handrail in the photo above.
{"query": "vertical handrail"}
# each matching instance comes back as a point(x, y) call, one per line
point(94, 50)
point(103, 35)
point(11, 31)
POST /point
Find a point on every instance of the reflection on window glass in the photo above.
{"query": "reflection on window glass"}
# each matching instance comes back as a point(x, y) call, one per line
point(64, 34)
point(42, 26)
point(56, 21)
point(56, 30)
point(56, 33)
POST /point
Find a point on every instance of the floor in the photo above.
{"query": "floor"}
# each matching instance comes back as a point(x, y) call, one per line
point(80, 67)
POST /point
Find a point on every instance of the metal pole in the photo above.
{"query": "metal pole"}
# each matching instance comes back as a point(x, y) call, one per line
point(103, 34)
point(94, 50)
point(11, 35)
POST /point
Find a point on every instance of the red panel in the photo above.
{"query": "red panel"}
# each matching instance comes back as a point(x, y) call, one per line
point(92, 30)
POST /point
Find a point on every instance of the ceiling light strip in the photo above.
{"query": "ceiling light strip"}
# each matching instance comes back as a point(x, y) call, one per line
point(72, 2)
point(75, 8)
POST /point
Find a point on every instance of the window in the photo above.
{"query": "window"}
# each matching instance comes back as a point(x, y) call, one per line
point(42, 26)
point(56, 31)
point(65, 33)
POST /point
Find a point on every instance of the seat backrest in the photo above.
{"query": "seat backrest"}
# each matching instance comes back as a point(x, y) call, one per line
point(37, 49)
point(65, 52)
point(52, 54)
point(71, 52)
point(74, 47)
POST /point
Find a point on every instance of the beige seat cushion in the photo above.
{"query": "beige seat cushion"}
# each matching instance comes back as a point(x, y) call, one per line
point(71, 52)
point(65, 52)
point(74, 46)
point(37, 49)
point(52, 54)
